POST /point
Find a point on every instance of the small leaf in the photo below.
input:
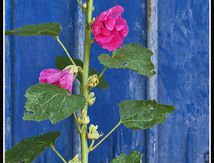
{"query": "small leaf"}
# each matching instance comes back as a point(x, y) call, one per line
point(28, 149)
point(51, 29)
point(62, 62)
point(133, 157)
point(46, 101)
point(131, 56)
point(139, 114)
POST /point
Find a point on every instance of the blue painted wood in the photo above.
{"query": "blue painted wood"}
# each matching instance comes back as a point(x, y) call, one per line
point(31, 55)
point(78, 51)
point(8, 75)
point(184, 79)
point(124, 85)
point(182, 75)
point(152, 83)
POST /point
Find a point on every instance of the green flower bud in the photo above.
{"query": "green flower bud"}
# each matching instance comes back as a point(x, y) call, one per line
point(72, 69)
point(91, 98)
point(93, 133)
point(91, 101)
point(83, 118)
point(75, 160)
point(84, 5)
point(93, 81)
point(93, 8)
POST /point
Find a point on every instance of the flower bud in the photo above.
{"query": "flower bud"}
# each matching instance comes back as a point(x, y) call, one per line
point(93, 133)
point(83, 118)
point(84, 5)
point(93, 8)
point(93, 81)
point(91, 98)
point(75, 160)
point(72, 68)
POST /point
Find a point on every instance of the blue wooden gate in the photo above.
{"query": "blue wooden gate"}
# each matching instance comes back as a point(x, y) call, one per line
point(178, 33)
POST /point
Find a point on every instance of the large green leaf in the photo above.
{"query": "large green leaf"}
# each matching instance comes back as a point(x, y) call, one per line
point(51, 29)
point(139, 114)
point(28, 149)
point(62, 62)
point(46, 101)
point(131, 56)
point(133, 157)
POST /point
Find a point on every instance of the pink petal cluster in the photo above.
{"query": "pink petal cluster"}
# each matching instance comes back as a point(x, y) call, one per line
point(63, 79)
point(109, 28)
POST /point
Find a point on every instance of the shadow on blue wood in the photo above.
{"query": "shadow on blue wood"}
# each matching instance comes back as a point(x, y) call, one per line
point(183, 78)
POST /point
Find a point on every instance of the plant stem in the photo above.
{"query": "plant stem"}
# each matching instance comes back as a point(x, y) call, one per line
point(86, 61)
point(54, 149)
point(118, 124)
point(101, 74)
point(77, 124)
point(58, 40)
point(92, 143)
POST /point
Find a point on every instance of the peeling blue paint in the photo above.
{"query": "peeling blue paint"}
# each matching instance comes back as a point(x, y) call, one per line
point(178, 33)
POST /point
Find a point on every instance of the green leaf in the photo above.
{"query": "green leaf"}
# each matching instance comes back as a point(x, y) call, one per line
point(46, 101)
point(133, 157)
point(139, 114)
point(50, 29)
point(131, 56)
point(28, 149)
point(62, 62)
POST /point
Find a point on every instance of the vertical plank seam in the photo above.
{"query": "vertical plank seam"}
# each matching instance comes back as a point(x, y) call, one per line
point(12, 74)
point(152, 83)
point(79, 49)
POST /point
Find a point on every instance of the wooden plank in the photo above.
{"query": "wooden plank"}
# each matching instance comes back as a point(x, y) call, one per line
point(41, 51)
point(152, 83)
point(184, 79)
point(33, 54)
point(8, 75)
point(124, 85)
point(79, 52)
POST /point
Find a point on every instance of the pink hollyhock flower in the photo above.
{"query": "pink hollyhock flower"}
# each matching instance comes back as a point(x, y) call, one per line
point(109, 28)
point(63, 79)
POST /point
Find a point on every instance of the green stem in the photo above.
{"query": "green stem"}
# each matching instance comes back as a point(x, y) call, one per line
point(61, 44)
point(86, 61)
point(54, 149)
point(77, 124)
point(101, 74)
point(119, 123)
point(92, 143)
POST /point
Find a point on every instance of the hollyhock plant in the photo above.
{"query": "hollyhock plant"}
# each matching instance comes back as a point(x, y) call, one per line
point(51, 102)
point(63, 79)
point(110, 28)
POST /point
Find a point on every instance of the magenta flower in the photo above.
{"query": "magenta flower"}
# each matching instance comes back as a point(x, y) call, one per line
point(109, 28)
point(63, 79)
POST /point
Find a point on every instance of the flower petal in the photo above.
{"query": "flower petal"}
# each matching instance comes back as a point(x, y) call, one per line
point(116, 11)
point(47, 73)
point(120, 23)
point(110, 23)
point(104, 31)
